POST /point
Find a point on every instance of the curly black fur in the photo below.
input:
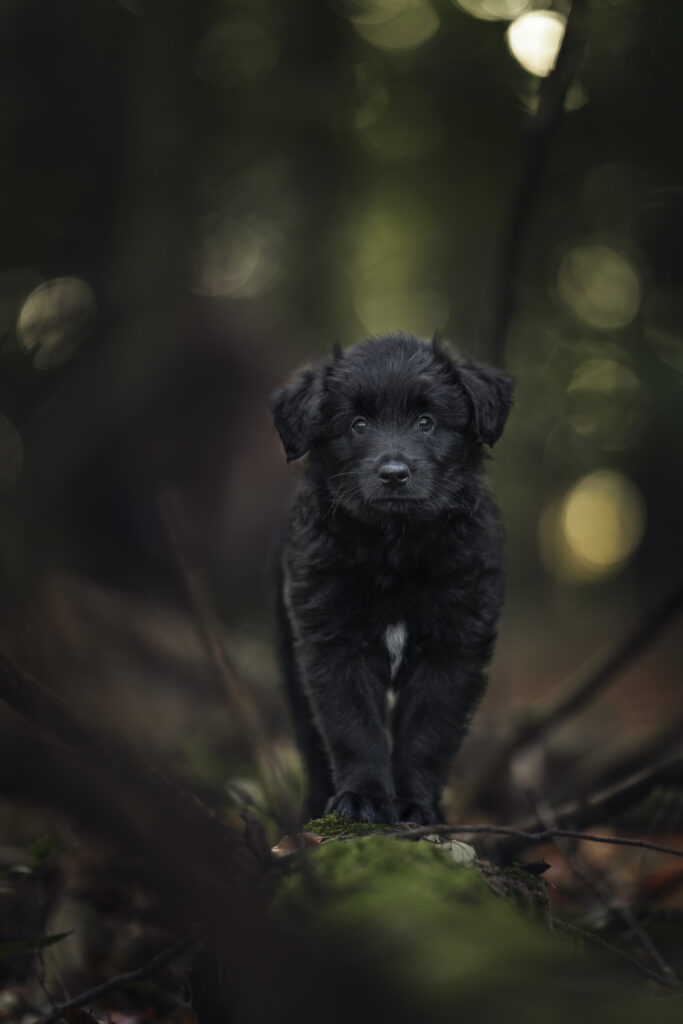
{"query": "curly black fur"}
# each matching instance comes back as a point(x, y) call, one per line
point(392, 566)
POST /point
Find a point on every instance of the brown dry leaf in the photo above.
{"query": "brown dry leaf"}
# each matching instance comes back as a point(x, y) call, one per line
point(176, 1015)
point(664, 885)
point(116, 1017)
point(289, 845)
point(76, 1015)
point(180, 1015)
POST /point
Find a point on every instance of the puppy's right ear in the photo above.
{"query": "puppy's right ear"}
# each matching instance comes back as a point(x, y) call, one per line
point(296, 410)
point(490, 393)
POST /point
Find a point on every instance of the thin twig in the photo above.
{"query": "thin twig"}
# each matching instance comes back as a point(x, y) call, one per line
point(532, 837)
point(592, 937)
point(602, 890)
point(638, 758)
point(40, 974)
point(236, 688)
point(128, 978)
point(583, 686)
point(613, 800)
point(203, 606)
point(552, 94)
point(592, 678)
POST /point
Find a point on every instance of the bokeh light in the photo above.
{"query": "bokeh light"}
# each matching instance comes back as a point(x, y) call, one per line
point(393, 24)
point(235, 52)
point(600, 285)
point(237, 257)
point(494, 10)
point(11, 454)
point(54, 319)
point(535, 39)
point(607, 404)
point(603, 519)
point(594, 529)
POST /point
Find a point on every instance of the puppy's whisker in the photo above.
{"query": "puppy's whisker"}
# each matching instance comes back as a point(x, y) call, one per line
point(341, 495)
point(337, 476)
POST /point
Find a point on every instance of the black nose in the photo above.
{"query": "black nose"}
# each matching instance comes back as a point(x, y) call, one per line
point(393, 473)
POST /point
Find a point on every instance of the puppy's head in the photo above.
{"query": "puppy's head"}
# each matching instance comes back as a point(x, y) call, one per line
point(393, 426)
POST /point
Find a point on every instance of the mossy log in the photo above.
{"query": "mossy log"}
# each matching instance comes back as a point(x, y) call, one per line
point(447, 937)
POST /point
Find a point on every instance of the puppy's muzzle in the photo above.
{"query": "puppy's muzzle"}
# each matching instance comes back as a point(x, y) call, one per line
point(393, 473)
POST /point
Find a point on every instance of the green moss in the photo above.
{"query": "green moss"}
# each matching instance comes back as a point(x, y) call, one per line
point(425, 920)
point(440, 935)
point(335, 826)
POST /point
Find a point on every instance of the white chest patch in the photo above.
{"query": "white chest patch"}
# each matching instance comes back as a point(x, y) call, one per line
point(395, 641)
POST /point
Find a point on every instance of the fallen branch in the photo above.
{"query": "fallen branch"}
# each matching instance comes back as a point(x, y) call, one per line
point(581, 688)
point(552, 95)
point(127, 978)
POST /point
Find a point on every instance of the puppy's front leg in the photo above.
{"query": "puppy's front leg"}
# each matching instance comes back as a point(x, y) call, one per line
point(430, 721)
point(348, 699)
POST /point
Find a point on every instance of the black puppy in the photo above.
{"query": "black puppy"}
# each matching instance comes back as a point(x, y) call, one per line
point(392, 570)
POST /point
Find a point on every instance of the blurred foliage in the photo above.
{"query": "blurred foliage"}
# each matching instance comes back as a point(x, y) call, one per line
point(328, 170)
point(13, 950)
point(198, 195)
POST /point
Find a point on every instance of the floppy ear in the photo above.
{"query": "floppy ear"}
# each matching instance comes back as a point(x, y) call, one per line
point(490, 394)
point(296, 412)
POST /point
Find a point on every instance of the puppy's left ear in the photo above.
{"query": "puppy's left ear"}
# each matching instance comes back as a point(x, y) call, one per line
point(296, 410)
point(490, 393)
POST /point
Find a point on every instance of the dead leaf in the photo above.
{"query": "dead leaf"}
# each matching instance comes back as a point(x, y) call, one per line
point(76, 1015)
point(290, 845)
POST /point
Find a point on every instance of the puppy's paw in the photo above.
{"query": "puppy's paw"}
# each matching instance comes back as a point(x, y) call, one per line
point(418, 812)
point(359, 807)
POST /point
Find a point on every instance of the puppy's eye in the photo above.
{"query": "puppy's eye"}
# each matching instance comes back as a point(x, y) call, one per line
point(359, 425)
point(426, 424)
